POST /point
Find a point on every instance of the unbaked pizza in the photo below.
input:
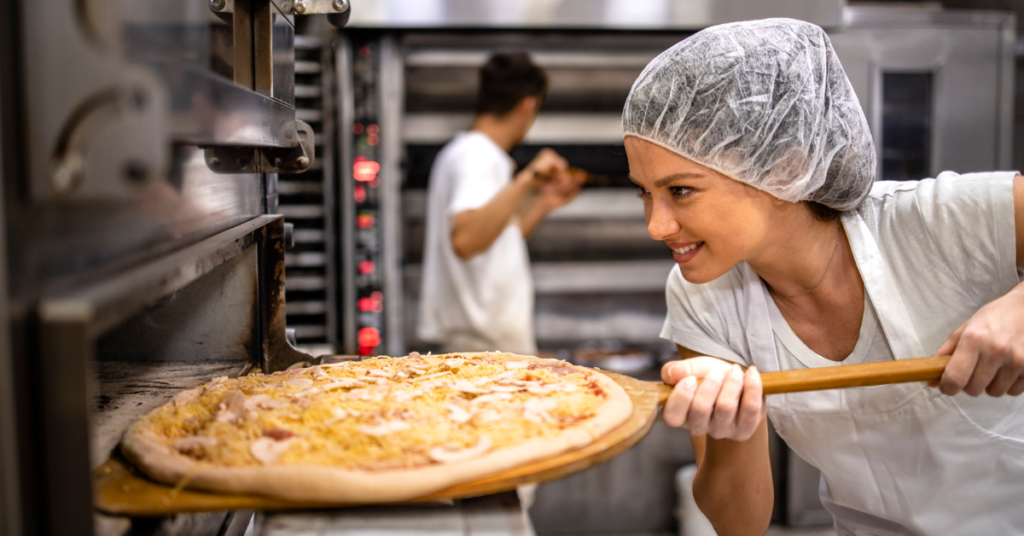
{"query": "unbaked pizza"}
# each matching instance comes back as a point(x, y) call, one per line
point(377, 430)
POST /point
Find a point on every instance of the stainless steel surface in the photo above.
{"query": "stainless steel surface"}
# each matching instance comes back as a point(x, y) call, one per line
point(77, 145)
point(625, 276)
point(392, 92)
point(309, 201)
point(346, 204)
point(10, 471)
point(970, 55)
point(127, 389)
point(602, 14)
point(550, 127)
point(61, 243)
point(492, 515)
point(72, 322)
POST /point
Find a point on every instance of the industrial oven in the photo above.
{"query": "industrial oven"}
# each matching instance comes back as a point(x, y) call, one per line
point(143, 248)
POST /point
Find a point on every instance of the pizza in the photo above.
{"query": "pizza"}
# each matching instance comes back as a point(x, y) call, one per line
point(377, 430)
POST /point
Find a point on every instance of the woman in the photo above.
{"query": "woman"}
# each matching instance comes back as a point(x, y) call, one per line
point(756, 167)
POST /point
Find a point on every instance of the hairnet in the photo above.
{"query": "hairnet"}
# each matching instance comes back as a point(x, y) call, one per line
point(764, 102)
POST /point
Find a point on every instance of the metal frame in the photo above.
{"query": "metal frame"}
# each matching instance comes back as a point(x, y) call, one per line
point(345, 113)
point(865, 65)
point(10, 500)
point(392, 99)
point(69, 326)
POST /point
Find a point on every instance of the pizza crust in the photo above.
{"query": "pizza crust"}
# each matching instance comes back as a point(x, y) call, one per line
point(332, 485)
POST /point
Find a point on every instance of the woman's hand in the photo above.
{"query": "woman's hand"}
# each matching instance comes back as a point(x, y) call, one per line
point(727, 404)
point(987, 350)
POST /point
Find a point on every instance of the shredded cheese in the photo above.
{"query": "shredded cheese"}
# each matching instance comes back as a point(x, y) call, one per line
point(337, 420)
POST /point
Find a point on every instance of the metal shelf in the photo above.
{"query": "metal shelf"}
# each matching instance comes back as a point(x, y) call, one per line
point(600, 277)
point(590, 204)
point(582, 128)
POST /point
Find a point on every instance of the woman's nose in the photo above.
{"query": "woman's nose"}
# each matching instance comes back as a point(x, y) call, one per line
point(661, 223)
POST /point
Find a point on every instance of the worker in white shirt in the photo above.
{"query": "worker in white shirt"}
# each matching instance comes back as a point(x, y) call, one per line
point(477, 293)
point(756, 167)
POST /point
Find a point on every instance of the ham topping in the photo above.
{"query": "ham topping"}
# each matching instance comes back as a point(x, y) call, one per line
point(457, 414)
point(429, 376)
point(318, 373)
point(384, 428)
point(466, 386)
point(551, 388)
point(485, 416)
point(414, 355)
point(493, 397)
point(405, 396)
point(278, 434)
point(268, 450)
point(232, 408)
point(536, 410)
point(195, 444)
point(301, 383)
point(263, 402)
point(443, 455)
point(342, 383)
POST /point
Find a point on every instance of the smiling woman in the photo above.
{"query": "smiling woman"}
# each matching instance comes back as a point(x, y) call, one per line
point(756, 168)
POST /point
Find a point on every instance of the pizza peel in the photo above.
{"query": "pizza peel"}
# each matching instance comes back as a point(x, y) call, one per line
point(120, 489)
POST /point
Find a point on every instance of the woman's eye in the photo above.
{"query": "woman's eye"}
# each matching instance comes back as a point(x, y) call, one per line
point(640, 191)
point(680, 191)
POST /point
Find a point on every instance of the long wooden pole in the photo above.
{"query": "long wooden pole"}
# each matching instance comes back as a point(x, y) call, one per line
point(845, 376)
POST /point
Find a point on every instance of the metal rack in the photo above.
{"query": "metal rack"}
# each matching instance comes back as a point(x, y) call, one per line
point(308, 201)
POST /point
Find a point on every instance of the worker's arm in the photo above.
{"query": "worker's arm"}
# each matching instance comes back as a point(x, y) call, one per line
point(473, 231)
point(555, 192)
point(987, 351)
point(729, 430)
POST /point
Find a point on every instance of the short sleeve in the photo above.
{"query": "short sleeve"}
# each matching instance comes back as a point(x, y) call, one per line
point(700, 316)
point(969, 220)
point(476, 179)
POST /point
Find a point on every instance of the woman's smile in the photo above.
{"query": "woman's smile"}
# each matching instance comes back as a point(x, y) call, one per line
point(683, 252)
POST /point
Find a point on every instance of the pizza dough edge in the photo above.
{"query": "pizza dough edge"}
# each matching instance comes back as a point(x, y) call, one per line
point(330, 485)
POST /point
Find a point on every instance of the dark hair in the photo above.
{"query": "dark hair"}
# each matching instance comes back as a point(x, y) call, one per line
point(823, 213)
point(507, 79)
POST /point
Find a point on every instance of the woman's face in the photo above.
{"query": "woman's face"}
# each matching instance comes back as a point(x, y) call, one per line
point(709, 221)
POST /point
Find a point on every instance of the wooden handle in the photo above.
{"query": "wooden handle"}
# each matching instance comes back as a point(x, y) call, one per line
point(841, 377)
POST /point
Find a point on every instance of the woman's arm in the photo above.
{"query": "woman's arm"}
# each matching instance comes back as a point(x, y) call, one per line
point(729, 430)
point(988, 350)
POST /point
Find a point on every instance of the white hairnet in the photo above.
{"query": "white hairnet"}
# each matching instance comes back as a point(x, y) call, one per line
point(764, 102)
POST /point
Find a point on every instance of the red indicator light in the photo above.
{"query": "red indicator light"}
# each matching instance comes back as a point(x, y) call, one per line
point(366, 267)
point(357, 129)
point(373, 129)
point(364, 221)
point(369, 337)
point(359, 194)
point(373, 140)
point(374, 303)
point(364, 51)
point(365, 170)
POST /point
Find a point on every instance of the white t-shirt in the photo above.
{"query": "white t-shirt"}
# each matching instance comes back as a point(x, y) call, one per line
point(950, 246)
point(484, 303)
